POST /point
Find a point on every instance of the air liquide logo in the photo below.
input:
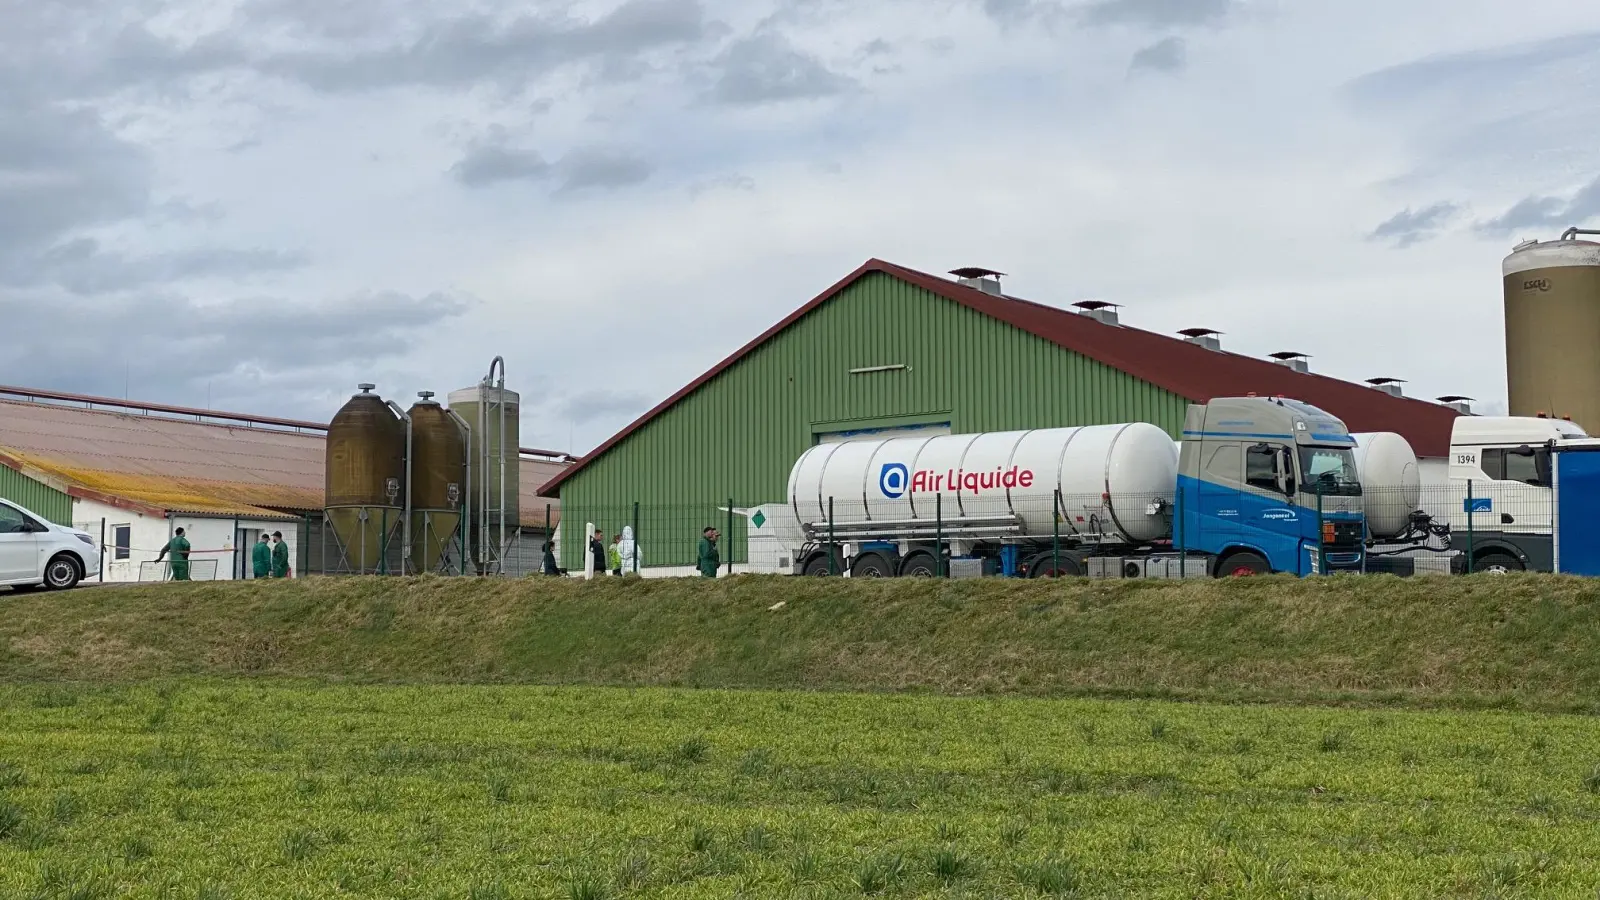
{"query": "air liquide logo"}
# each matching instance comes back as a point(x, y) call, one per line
point(892, 480)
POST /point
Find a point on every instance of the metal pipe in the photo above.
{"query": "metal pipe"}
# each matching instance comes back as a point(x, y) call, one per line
point(466, 489)
point(499, 361)
point(1571, 233)
point(405, 524)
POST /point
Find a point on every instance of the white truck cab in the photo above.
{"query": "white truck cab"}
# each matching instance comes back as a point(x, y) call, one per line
point(1503, 462)
point(37, 553)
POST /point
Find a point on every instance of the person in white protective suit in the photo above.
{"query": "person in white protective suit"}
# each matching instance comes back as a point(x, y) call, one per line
point(629, 552)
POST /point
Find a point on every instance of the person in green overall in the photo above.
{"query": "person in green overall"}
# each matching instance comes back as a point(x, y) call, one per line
point(709, 558)
point(280, 556)
point(179, 548)
point(261, 557)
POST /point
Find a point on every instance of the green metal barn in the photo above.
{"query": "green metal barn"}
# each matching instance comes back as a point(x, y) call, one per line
point(889, 349)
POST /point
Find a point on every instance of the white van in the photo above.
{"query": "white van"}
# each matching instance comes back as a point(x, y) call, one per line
point(35, 553)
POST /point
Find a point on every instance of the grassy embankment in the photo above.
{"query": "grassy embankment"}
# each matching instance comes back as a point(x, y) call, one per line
point(1523, 642)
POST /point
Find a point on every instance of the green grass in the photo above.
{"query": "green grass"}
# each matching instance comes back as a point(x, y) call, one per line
point(320, 790)
point(1524, 642)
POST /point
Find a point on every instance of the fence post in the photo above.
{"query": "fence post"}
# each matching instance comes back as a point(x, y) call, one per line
point(1468, 506)
point(730, 535)
point(383, 543)
point(938, 535)
point(1322, 544)
point(636, 543)
point(1055, 534)
point(833, 564)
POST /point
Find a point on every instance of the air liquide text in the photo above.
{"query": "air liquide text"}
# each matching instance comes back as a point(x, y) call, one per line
point(956, 481)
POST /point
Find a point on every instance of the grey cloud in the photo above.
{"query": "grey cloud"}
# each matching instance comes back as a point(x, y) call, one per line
point(1409, 226)
point(1547, 212)
point(1470, 76)
point(593, 405)
point(487, 164)
point(594, 167)
point(766, 68)
point(496, 159)
point(733, 182)
point(166, 345)
point(83, 267)
point(1157, 13)
point(62, 170)
point(476, 48)
point(1168, 55)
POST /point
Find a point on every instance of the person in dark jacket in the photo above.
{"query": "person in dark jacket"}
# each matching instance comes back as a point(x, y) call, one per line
point(710, 559)
point(550, 567)
point(597, 551)
point(261, 557)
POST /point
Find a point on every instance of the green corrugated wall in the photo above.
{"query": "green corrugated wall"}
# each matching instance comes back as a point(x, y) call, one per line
point(739, 434)
point(35, 495)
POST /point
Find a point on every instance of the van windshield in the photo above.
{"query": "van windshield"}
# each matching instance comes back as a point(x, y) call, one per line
point(1332, 470)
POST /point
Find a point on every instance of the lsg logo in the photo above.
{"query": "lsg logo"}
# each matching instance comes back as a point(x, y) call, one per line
point(1536, 284)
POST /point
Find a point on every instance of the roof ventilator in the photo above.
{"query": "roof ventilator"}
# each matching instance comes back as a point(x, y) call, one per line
point(1098, 310)
point(1293, 359)
point(1458, 403)
point(986, 280)
point(1390, 386)
point(1205, 337)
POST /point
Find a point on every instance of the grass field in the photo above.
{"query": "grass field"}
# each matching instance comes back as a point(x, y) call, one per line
point(202, 788)
point(1528, 642)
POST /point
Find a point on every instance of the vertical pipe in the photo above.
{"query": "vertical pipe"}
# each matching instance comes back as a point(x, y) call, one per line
point(500, 363)
point(102, 572)
point(635, 562)
point(550, 537)
point(1470, 517)
point(467, 507)
point(833, 563)
point(405, 490)
point(238, 569)
point(938, 535)
point(1055, 534)
point(730, 536)
point(483, 473)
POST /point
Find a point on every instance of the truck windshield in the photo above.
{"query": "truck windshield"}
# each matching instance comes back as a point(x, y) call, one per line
point(1330, 469)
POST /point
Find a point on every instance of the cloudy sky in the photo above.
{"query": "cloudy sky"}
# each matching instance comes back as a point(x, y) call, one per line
point(263, 202)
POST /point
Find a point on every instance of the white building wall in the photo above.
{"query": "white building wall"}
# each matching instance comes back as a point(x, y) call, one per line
point(212, 541)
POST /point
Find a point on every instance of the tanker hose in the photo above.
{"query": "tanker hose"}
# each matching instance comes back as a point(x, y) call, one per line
point(1571, 233)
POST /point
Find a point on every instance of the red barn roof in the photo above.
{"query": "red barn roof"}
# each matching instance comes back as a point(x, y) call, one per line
point(1186, 369)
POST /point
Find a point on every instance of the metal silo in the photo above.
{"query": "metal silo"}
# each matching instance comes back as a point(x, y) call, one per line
point(438, 483)
point(492, 413)
point(1552, 310)
point(365, 483)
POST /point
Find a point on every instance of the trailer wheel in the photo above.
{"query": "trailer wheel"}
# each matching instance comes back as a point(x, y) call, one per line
point(872, 565)
point(1243, 564)
point(919, 565)
point(1497, 563)
point(1045, 566)
point(817, 565)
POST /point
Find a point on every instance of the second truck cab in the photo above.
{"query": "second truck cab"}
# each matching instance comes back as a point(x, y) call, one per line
point(1263, 483)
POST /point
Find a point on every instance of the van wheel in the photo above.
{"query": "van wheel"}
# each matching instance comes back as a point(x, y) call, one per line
point(62, 573)
point(1241, 565)
point(1497, 564)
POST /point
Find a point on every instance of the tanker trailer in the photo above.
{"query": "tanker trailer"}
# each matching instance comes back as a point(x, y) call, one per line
point(1402, 539)
point(1099, 500)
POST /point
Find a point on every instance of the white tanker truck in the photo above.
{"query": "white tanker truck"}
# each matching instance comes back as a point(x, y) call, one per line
point(1258, 485)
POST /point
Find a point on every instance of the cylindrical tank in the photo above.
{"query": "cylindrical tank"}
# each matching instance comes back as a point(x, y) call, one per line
point(1552, 313)
point(481, 406)
point(1108, 476)
point(366, 448)
point(1391, 481)
point(438, 482)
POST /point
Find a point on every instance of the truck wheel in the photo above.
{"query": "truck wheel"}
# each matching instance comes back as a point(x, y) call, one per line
point(919, 565)
point(872, 565)
point(1240, 565)
point(61, 573)
point(1497, 563)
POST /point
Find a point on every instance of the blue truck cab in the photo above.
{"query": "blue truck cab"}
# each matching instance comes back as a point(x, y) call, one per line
point(1267, 484)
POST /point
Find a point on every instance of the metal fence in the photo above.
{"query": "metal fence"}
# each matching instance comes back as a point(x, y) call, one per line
point(199, 570)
